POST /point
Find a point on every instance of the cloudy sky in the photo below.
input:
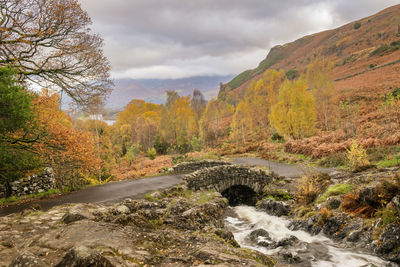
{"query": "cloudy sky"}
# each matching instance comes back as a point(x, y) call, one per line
point(184, 38)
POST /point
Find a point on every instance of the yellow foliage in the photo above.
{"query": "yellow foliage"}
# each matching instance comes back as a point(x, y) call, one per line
point(311, 185)
point(240, 122)
point(357, 157)
point(212, 120)
point(320, 82)
point(273, 80)
point(294, 113)
point(139, 123)
point(251, 115)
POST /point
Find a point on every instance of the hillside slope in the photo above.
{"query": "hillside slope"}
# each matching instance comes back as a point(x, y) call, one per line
point(366, 54)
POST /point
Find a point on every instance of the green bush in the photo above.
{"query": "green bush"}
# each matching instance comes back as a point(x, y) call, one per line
point(18, 130)
point(395, 45)
point(196, 143)
point(380, 50)
point(160, 145)
point(277, 137)
point(152, 153)
point(357, 25)
point(132, 152)
point(292, 74)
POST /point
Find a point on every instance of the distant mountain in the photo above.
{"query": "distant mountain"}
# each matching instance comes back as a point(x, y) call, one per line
point(366, 54)
point(153, 90)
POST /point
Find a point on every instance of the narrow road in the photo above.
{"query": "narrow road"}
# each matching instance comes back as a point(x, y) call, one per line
point(287, 170)
point(107, 193)
point(136, 188)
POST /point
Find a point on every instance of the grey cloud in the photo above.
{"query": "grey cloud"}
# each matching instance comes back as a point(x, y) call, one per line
point(147, 37)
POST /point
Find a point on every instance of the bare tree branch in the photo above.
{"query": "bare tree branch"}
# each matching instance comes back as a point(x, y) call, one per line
point(50, 42)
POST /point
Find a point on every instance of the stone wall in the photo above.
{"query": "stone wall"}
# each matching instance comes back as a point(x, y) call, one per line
point(31, 185)
point(223, 177)
point(189, 167)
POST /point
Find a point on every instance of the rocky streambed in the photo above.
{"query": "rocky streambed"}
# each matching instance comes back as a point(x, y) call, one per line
point(176, 227)
point(347, 220)
point(272, 235)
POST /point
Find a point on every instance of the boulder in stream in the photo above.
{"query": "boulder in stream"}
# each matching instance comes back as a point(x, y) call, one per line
point(274, 207)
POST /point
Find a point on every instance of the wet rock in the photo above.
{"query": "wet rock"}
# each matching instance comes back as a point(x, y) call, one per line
point(390, 242)
point(273, 207)
point(290, 257)
point(333, 225)
point(354, 236)
point(81, 256)
point(288, 241)
point(309, 225)
point(253, 236)
point(27, 259)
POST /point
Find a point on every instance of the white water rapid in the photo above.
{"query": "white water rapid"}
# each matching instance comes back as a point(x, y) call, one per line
point(310, 250)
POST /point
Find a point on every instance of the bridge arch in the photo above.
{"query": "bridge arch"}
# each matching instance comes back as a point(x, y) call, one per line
point(225, 177)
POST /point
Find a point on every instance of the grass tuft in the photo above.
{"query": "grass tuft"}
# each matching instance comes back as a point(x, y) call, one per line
point(15, 199)
point(335, 190)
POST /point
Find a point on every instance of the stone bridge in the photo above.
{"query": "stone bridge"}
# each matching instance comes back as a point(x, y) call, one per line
point(192, 166)
point(238, 183)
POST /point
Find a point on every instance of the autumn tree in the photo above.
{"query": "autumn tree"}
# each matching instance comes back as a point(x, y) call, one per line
point(145, 128)
point(198, 105)
point(103, 135)
point(72, 152)
point(241, 122)
point(183, 121)
point(391, 111)
point(294, 113)
point(172, 96)
point(251, 115)
point(318, 76)
point(273, 81)
point(215, 121)
point(50, 43)
point(139, 124)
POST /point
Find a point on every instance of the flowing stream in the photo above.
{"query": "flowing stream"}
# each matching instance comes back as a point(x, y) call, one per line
point(299, 247)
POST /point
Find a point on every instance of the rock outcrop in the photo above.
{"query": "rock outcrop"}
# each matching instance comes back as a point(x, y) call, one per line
point(273, 207)
point(180, 228)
